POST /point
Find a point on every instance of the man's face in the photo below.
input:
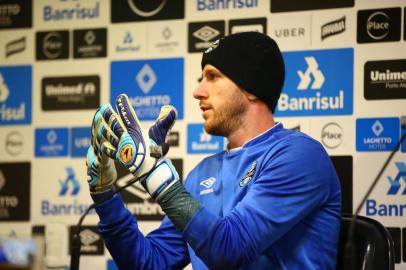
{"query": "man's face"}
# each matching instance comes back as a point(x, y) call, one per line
point(222, 102)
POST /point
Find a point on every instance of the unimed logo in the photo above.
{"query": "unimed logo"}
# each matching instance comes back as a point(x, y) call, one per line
point(385, 79)
point(70, 93)
point(317, 83)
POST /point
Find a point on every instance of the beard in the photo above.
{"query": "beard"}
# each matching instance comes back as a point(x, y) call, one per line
point(226, 118)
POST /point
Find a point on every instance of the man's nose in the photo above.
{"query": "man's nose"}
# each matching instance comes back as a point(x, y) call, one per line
point(200, 91)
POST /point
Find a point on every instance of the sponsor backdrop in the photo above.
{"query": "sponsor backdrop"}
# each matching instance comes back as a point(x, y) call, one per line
point(61, 59)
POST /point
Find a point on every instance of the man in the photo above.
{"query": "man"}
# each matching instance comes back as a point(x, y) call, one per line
point(270, 201)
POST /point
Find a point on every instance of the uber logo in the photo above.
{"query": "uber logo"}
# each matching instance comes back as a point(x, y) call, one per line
point(203, 34)
point(141, 10)
point(289, 32)
point(52, 45)
point(378, 25)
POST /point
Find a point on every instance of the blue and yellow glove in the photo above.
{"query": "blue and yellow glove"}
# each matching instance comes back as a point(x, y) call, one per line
point(101, 172)
point(141, 152)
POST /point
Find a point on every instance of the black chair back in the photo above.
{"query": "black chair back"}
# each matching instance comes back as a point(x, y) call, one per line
point(374, 249)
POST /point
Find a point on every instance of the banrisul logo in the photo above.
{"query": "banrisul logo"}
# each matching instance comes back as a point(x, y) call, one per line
point(51, 142)
point(395, 192)
point(212, 5)
point(199, 142)
point(67, 188)
point(149, 84)
point(317, 83)
point(377, 134)
point(15, 95)
point(71, 10)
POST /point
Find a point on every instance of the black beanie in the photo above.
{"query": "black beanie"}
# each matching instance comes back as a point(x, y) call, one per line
point(251, 60)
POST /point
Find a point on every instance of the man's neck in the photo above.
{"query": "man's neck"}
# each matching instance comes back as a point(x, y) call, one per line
point(256, 121)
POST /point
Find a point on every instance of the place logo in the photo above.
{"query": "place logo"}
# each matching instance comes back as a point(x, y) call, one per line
point(15, 95)
point(70, 93)
point(80, 140)
point(200, 142)
point(52, 45)
point(14, 143)
point(91, 241)
point(78, 10)
point(333, 28)
point(332, 135)
point(344, 168)
point(377, 134)
point(299, 5)
point(378, 25)
point(149, 84)
point(51, 142)
point(15, 191)
point(247, 25)
point(90, 43)
point(15, 14)
point(203, 34)
point(140, 10)
point(215, 5)
point(312, 85)
point(385, 79)
point(15, 46)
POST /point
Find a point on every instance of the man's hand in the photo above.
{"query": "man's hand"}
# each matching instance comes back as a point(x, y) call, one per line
point(101, 172)
point(125, 141)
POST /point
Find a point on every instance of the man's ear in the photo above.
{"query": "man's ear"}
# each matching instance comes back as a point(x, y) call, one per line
point(250, 96)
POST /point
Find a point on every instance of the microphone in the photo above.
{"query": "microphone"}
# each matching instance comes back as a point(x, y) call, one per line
point(349, 255)
point(156, 151)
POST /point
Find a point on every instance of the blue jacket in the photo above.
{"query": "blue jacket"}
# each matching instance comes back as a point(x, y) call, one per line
point(272, 204)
